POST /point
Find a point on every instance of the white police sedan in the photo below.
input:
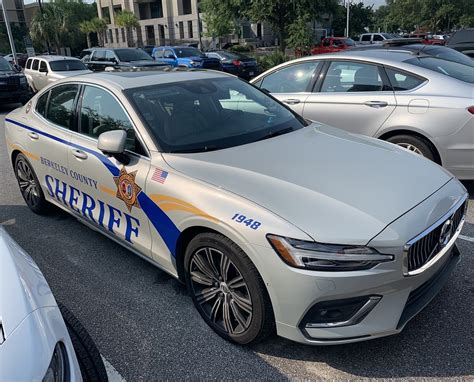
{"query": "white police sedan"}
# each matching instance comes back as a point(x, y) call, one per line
point(273, 222)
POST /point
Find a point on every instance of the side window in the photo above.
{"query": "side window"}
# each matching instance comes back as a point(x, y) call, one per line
point(366, 37)
point(109, 56)
point(98, 55)
point(28, 63)
point(43, 66)
point(292, 79)
point(168, 54)
point(41, 104)
point(35, 64)
point(101, 112)
point(326, 42)
point(402, 80)
point(378, 37)
point(352, 77)
point(159, 53)
point(61, 105)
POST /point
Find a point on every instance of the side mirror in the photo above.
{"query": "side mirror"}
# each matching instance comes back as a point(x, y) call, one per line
point(112, 143)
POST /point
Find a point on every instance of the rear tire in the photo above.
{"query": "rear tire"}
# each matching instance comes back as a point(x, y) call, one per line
point(30, 187)
point(415, 144)
point(90, 362)
point(227, 289)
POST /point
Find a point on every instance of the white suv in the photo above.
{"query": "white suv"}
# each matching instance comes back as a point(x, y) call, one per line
point(42, 70)
point(375, 38)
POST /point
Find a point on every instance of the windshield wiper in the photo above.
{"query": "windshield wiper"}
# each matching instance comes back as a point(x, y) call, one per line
point(196, 150)
point(276, 133)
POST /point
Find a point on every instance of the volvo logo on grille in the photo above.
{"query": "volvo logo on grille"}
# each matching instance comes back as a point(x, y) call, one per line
point(445, 234)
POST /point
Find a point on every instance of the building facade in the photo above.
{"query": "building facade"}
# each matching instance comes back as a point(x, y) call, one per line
point(15, 11)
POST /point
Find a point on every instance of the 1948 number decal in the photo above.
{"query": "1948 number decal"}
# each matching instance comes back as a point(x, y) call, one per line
point(239, 218)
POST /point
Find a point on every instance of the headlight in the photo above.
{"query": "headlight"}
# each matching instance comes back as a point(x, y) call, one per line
point(58, 369)
point(325, 257)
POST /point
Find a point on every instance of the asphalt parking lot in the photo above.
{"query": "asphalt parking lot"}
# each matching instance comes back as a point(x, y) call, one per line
point(146, 327)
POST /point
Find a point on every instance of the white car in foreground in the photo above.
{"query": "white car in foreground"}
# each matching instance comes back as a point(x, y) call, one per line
point(272, 221)
point(39, 340)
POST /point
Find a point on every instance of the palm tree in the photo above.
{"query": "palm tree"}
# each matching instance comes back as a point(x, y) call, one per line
point(99, 26)
point(49, 25)
point(127, 20)
point(87, 28)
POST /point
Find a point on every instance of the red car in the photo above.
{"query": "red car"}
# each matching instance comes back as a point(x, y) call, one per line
point(333, 44)
point(426, 38)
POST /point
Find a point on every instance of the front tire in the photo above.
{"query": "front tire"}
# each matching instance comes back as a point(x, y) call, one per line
point(89, 358)
point(30, 186)
point(227, 289)
point(414, 144)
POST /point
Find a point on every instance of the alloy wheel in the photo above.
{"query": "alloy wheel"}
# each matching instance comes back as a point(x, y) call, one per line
point(27, 183)
point(410, 147)
point(220, 290)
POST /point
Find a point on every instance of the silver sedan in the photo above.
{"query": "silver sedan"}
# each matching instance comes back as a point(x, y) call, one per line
point(421, 102)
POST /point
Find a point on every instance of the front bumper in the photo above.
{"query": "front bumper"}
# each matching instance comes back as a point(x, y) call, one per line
point(389, 297)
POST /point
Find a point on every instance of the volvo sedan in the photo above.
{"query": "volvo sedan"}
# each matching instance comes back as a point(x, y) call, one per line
point(422, 100)
point(275, 224)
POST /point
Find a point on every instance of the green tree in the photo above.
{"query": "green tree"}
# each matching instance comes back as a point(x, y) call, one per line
point(99, 26)
point(87, 28)
point(280, 14)
point(128, 20)
point(219, 17)
point(300, 35)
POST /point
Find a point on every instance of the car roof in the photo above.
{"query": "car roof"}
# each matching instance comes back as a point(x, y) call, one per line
point(129, 80)
point(55, 58)
point(375, 55)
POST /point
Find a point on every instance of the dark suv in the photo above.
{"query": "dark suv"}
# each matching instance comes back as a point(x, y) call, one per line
point(463, 41)
point(13, 84)
point(119, 58)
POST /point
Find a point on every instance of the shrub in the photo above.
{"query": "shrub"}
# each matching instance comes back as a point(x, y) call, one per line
point(269, 61)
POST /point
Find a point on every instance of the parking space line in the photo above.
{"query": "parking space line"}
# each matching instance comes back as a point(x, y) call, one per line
point(467, 238)
point(112, 374)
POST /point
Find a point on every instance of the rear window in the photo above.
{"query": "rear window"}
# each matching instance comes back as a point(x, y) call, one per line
point(449, 68)
point(448, 54)
point(66, 65)
point(28, 63)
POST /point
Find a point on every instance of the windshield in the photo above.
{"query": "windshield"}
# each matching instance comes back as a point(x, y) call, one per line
point(210, 114)
point(127, 55)
point(188, 52)
point(349, 41)
point(66, 65)
point(4, 65)
point(449, 68)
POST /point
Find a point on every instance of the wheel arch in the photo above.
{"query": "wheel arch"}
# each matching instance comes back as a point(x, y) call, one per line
point(404, 131)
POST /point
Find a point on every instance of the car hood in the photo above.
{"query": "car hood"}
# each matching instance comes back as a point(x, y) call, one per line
point(335, 186)
point(23, 287)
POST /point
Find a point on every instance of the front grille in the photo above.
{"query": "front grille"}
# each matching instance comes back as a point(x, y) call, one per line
point(428, 246)
point(9, 83)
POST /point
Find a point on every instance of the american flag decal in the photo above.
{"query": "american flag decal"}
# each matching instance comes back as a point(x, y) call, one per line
point(159, 175)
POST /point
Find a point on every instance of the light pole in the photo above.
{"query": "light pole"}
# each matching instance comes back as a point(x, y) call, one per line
point(199, 24)
point(348, 6)
point(9, 32)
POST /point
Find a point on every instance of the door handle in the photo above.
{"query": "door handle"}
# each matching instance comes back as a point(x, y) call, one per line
point(291, 101)
point(33, 136)
point(376, 104)
point(79, 154)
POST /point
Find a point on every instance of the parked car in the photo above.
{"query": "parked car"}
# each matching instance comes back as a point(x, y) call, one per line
point(20, 59)
point(43, 70)
point(375, 38)
point(420, 102)
point(463, 41)
point(148, 49)
point(120, 58)
point(272, 221)
point(40, 340)
point(426, 38)
point(13, 84)
point(333, 44)
point(236, 63)
point(185, 57)
point(416, 48)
